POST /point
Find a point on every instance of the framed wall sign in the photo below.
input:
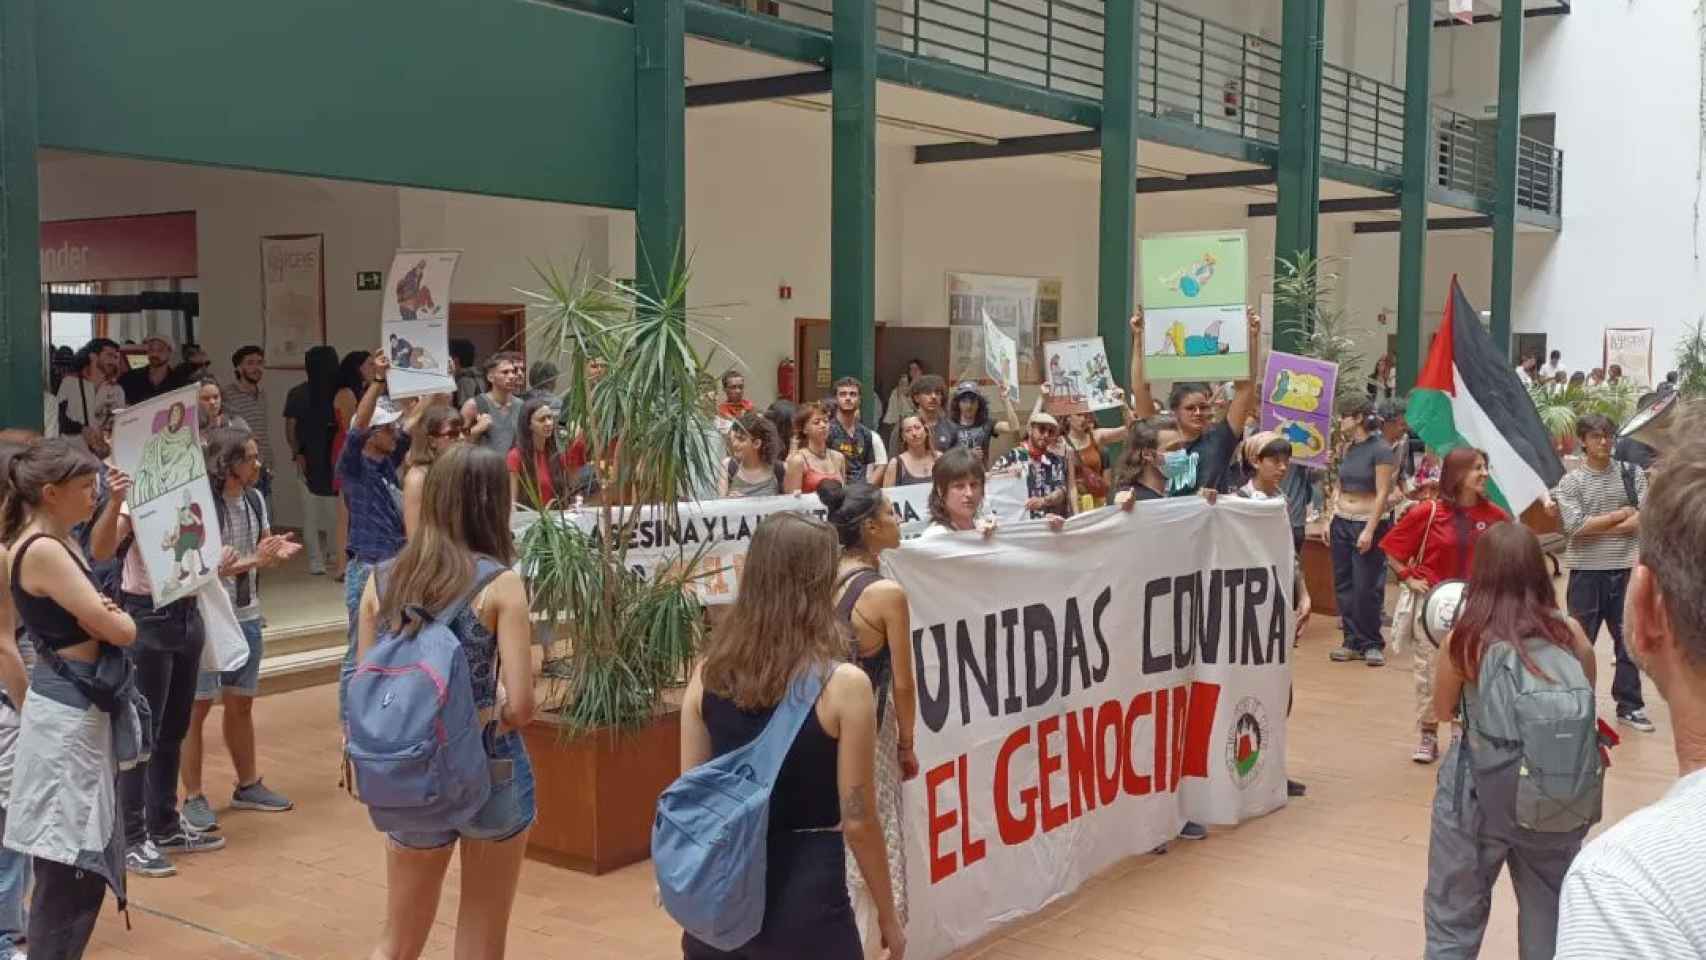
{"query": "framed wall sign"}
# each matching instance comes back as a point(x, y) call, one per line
point(293, 297)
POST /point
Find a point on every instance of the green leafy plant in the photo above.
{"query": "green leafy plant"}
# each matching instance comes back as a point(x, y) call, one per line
point(651, 441)
point(1691, 362)
point(1561, 407)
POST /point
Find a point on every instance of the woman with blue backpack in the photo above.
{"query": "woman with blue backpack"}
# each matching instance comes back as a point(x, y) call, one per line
point(774, 713)
point(1522, 784)
point(455, 570)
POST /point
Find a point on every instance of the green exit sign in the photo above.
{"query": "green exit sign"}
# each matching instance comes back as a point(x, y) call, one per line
point(369, 280)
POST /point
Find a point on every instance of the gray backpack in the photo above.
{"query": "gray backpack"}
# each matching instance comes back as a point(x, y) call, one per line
point(1533, 741)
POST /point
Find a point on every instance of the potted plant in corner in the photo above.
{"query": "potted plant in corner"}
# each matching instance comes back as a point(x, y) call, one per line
point(608, 743)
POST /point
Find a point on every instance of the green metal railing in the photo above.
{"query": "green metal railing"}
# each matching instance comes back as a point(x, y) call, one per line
point(1362, 120)
point(1205, 74)
point(1193, 71)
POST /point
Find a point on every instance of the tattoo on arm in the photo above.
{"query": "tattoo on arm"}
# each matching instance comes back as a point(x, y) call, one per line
point(853, 803)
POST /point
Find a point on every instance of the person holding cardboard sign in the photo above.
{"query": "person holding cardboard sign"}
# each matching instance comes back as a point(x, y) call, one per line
point(1203, 459)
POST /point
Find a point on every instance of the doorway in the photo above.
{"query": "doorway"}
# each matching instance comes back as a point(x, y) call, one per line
point(490, 327)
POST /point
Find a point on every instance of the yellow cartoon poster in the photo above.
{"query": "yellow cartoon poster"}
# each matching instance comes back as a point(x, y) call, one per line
point(1297, 401)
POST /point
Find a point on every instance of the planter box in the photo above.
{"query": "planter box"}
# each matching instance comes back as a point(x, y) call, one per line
point(596, 794)
point(1317, 563)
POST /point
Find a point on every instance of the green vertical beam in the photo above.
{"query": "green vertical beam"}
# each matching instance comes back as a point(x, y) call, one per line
point(1297, 224)
point(1117, 254)
point(1418, 163)
point(660, 142)
point(1504, 197)
point(853, 199)
point(21, 356)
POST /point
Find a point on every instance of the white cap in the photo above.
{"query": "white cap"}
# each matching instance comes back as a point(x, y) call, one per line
point(384, 413)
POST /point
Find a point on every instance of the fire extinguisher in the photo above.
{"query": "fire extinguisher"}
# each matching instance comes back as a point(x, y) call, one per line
point(785, 386)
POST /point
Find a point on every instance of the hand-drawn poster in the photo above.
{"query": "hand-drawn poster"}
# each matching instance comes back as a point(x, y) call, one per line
point(1001, 359)
point(171, 504)
point(1297, 401)
point(293, 297)
point(1024, 308)
point(1079, 380)
point(414, 321)
point(1194, 287)
point(1631, 349)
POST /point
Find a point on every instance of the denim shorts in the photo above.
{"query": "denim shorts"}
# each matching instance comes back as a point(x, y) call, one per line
point(244, 680)
point(507, 812)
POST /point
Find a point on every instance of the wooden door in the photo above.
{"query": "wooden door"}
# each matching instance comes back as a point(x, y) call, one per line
point(811, 359)
point(491, 327)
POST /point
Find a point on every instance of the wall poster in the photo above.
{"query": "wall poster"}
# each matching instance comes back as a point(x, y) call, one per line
point(414, 319)
point(1193, 288)
point(171, 504)
point(293, 297)
point(1631, 349)
point(1024, 308)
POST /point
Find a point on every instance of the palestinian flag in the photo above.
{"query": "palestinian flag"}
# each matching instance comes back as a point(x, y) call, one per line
point(1468, 394)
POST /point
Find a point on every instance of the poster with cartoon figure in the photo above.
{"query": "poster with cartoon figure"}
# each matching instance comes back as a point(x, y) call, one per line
point(1194, 290)
point(1297, 401)
point(1001, 359)
point(1079, 380)
point(414, 321)
point(171, 503)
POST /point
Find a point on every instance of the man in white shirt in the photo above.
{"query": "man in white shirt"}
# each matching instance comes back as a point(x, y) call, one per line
point(1554, 366)
point(88, 397)
point(1638, 892)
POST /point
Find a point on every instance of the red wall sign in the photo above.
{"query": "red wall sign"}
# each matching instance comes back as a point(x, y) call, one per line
point(119, 248)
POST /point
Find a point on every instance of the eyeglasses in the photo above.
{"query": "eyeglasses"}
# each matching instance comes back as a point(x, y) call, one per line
point(1196, 408)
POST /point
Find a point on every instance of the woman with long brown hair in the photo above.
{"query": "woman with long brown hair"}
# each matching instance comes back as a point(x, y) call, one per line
point(439, 426)
point(812, 462)
point(916, 459)
point(540, 470)
point(463, 544)
point(1435, 542)
point(1087, 440)
point(824, 802)
point(63, 809)
point(874, 608)
point(1509, 623)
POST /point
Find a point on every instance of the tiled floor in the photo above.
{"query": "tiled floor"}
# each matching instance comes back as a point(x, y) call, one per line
point(1337, 875)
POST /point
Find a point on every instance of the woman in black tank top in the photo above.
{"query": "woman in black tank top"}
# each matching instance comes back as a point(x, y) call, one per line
point(45, 490)
point(780, 626)
point(879, 625)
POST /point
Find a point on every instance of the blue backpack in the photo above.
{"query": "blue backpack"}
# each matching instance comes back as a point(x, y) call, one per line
point(711, 834)
point(415, 746)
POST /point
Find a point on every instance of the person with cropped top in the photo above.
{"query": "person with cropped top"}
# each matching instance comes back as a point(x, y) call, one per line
point(1367, 471)
point(464, 530)
point(64, 765)
point(824, 803)
point(14, 686)
point(875, 611)
point(812, 461)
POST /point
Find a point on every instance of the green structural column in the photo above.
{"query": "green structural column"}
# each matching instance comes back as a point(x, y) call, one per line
point(1117, 252)
point(21, 357)
point(853, 199)
point(1504, 198)
point(660, 142)
point(1297, 224)
point(1418, 163)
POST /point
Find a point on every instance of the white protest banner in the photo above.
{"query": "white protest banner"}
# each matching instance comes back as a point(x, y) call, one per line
point(1081, 694)
point(414, 319)
point(1001, 359)
point(158, 443)
point(723, 528)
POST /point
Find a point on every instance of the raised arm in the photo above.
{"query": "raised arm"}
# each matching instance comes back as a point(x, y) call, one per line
point(370, 397)
point(1142, 400)
point(111, 527)
point(1244, 398)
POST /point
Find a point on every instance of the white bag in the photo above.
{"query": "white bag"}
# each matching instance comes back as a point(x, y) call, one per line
point(226, 648)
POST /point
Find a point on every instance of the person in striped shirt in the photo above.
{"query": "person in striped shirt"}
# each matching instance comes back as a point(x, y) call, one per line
point(1599, 505)
point(243, 397)
point(1638, 892)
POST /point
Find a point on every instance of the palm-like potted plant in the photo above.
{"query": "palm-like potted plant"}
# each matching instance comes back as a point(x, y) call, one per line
point(610, 742)
point(1691, 362)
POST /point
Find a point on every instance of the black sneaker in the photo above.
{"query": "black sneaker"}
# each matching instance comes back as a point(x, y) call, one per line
point(146, 861)
point(1294, 788)
point(1374, 657)
point(1637, 719)
point(1193, 830)
point(188, 841)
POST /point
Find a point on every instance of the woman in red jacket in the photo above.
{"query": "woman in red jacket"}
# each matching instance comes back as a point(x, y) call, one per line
point(1435, 542)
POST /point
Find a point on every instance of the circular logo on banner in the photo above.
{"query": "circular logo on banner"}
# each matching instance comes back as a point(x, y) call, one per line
point(1247, 741)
